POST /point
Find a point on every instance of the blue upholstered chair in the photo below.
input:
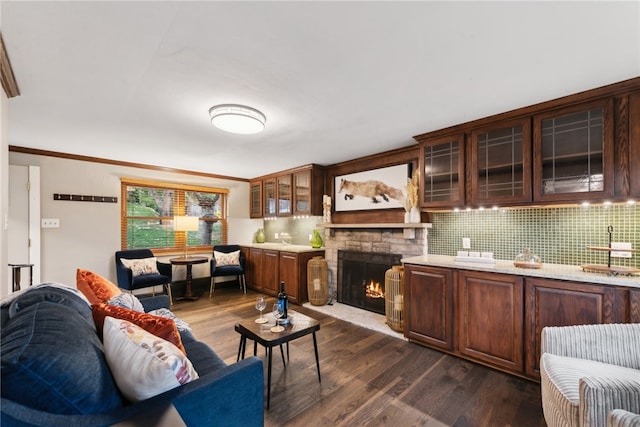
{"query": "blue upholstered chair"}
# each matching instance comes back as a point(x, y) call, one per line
point(127, 280)
point(237, 270)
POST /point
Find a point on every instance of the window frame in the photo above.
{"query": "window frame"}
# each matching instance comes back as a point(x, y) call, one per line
point(178, 209)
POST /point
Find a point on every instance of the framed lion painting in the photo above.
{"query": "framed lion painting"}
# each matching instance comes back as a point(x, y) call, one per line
point(383, 188)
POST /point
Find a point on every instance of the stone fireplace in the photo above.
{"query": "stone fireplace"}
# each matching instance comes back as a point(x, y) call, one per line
point(361, 281)
point(401, 240)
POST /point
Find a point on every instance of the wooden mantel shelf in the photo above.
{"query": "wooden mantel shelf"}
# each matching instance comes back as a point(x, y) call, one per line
point(409, 229)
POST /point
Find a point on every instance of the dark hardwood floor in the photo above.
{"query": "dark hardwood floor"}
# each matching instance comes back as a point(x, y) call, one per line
point(368, 378)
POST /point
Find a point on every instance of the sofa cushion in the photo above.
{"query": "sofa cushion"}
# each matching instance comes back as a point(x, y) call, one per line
point(143, 364)
point(52, 359)
point(126, 300)
point(95, 287)
point(141, 266)
point(202, 357)
point(561, 377)
point(157, 325)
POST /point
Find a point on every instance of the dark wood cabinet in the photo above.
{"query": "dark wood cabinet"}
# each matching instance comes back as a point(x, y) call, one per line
point(255, 197)
point(634, 305)
point(429, 316)
point(500, 163)
point(296, 191)
point(490, 316)
point(271, 272)
point(574, 153)
point(269, 197)
point(441, 164)
point(266, 268)
point(293, 272)
point(559, 303)
point(254, 269)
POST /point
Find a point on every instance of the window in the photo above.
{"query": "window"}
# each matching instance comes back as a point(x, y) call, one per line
point(148, 208)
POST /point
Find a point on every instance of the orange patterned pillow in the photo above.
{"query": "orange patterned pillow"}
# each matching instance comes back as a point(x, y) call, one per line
point(159, 326)
point(95, 287)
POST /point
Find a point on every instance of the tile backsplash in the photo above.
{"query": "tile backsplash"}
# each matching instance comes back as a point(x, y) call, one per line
point(296, 230)
point(557, 235)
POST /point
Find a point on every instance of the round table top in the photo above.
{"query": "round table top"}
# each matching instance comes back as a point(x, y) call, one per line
point(189, 260)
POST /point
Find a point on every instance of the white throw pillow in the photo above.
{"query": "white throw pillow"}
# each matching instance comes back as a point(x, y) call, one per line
point(231, 258)
point(141, 266)
point(142, 364)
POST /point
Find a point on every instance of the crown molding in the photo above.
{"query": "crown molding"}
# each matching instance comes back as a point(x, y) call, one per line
point(9, 83)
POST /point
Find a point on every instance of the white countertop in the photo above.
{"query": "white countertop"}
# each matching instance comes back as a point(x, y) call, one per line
point(549, 271)
point(283, 247)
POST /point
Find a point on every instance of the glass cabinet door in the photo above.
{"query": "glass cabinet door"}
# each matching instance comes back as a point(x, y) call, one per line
point(269, 191)
point(442, 166)
point(255, 199)
point(302, 193)
point(574, 153)
point(284, 195)
point(501, 163)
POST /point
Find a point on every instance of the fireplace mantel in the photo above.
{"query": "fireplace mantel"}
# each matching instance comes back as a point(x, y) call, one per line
point(409, 229)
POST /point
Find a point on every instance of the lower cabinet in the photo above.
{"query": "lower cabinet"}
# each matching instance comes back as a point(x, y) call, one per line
point(429, 316)
point(266, 268)
point(496, 319)
point(489, 316)
point(558, 303)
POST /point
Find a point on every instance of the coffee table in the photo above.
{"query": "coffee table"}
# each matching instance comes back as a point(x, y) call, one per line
point(299, 326)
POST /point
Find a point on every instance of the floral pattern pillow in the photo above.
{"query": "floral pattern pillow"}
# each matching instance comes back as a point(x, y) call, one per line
point(142, 266)
point(231, 258)
point(143, 364)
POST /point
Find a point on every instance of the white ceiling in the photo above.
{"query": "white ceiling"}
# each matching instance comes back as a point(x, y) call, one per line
point(134, 81)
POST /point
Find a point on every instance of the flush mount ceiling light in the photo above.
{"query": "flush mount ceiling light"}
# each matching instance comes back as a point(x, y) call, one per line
point(237, 118)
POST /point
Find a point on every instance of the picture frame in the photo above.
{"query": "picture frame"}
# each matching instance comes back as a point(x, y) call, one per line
point(382, 188)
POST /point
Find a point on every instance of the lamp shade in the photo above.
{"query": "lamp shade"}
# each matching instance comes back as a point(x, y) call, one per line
point(237, 118)
point(186, 223)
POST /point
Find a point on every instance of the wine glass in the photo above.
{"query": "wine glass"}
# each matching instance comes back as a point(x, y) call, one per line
point(277, 313)
point(261, 304)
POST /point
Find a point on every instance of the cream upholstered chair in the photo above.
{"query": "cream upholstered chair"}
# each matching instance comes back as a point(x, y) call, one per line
point(588, 371)
point(622, 418)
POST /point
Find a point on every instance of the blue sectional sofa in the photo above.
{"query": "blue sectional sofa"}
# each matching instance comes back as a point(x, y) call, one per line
point(54, 372)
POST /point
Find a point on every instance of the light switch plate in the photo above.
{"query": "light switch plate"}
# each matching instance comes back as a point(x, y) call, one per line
point(466, 243)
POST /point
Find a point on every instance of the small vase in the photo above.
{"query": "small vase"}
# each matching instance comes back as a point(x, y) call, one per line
point(407, 217)
point(415, 215)
point(316, 239)
point(260, 236)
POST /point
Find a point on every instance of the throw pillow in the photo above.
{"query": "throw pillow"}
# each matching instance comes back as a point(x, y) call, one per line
point(142, 364)
point(142, 266)
point(161, 327)
point(231, 258)
point(126, 300)
point(95, 287)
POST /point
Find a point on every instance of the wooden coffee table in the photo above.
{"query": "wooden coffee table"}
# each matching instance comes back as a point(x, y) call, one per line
point(299, 326)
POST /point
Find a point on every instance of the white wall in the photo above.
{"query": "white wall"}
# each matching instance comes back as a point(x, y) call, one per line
point(89, 232)
point(5, 288)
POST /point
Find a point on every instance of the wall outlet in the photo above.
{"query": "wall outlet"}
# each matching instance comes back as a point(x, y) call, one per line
point(466, 243)
point(50, 223)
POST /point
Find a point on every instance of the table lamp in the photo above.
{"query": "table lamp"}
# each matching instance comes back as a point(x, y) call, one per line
point(186, 223)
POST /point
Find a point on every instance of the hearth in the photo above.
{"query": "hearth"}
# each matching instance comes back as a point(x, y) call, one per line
point(361, 278)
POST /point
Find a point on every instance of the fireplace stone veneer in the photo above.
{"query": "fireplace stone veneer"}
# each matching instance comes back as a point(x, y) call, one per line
point(387, 238)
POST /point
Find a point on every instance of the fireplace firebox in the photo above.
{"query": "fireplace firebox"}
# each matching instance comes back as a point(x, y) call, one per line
point(361, 278)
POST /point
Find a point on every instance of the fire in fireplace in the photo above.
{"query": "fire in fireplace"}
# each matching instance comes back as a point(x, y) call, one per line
point(361, 278)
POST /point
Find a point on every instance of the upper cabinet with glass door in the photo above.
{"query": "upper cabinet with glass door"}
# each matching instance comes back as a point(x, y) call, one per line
point(269, 197)
point(255, 199)
point(442, 167)
point(573, 153)
point(284, 195)
point(501, 163)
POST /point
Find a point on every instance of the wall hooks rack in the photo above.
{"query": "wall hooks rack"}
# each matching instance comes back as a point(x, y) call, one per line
point(83, 198)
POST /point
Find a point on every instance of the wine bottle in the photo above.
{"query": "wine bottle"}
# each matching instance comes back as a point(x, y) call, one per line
point(283, 301)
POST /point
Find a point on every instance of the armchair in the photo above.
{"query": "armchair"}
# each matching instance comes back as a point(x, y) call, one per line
point(588, 371)
point(129, 281)
point(228, 260)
